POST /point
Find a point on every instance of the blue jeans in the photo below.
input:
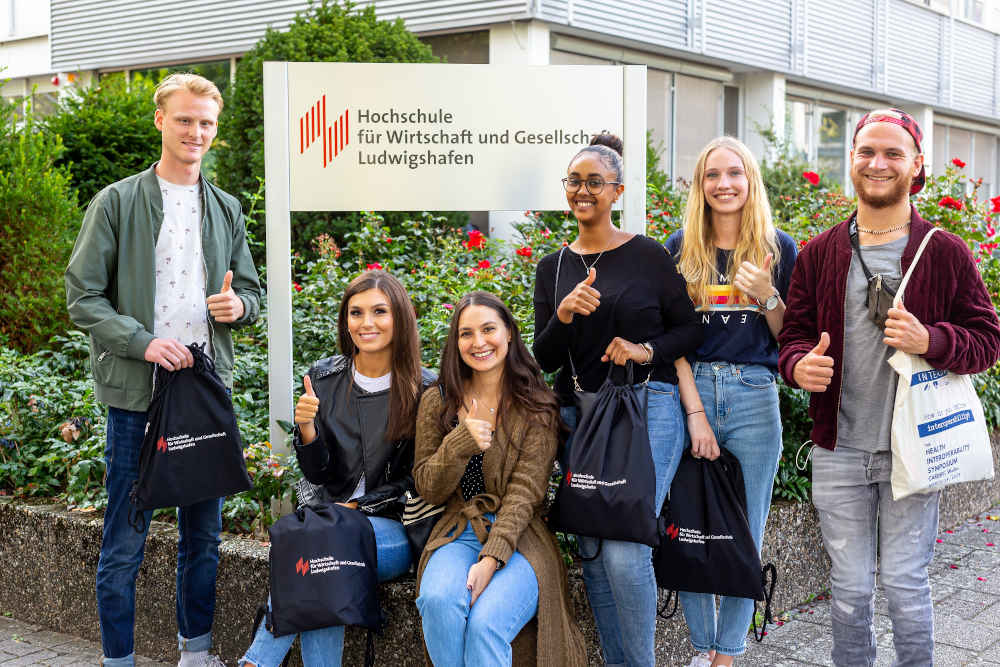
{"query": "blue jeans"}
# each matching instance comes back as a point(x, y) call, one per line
point(325, 646)
point(859, 519)
point(479, 635)
point(122, 551)
point(741, 404)
point(621, 586)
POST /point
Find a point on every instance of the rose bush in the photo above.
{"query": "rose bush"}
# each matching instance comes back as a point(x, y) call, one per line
point(437, 264)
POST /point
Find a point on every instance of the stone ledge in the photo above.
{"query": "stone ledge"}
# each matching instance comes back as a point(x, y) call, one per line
point(50, 560)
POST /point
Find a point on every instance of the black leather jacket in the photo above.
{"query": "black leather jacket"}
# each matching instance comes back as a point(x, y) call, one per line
point(350, 439)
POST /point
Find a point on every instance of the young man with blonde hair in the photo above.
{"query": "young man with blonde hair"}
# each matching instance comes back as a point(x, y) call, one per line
point(161, 261)
point(833, 346)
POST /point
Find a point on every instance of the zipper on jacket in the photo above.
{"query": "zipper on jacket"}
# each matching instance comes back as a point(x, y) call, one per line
point(204, 267)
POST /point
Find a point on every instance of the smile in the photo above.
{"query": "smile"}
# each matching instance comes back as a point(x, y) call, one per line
point(367, 335)
point(485, 354)
point(879, 179)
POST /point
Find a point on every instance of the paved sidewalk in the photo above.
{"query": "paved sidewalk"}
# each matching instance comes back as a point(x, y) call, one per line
point(25, 644)
point(965, 576)
point(965, 581)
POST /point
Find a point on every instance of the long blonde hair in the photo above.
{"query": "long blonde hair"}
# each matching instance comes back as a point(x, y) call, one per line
point(758, 237)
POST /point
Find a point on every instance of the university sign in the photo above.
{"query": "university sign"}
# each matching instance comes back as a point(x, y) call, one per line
point(373, 136)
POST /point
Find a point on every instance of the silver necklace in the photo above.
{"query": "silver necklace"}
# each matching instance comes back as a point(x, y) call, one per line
point(592, 264)
point(883, 231)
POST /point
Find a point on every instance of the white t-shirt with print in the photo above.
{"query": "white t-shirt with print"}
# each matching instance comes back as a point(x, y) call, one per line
point(181, 312)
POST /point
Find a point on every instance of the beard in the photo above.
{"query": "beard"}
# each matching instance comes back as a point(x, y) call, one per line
point(899, 192)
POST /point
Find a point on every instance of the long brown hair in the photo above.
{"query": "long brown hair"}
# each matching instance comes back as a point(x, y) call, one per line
point(404, 385)
point(522, 384)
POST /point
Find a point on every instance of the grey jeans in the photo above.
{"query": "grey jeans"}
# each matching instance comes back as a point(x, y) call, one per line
point(860, 520)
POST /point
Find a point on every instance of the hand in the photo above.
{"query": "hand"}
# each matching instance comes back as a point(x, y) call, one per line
point(583, 300)
point(620, 351)
point(480, 575)
point(755, 282)
point(169, 353)
point(481, 429)
point(225, 306)
point(703, 443)
point(305, 411)
point(904, 331)
point(814, 372)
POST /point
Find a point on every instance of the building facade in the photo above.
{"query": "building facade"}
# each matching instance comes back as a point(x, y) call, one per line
point(805, 69)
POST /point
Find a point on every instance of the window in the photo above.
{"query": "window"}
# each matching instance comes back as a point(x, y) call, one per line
point(731, 111)
point(820, 135)
point(699, 107)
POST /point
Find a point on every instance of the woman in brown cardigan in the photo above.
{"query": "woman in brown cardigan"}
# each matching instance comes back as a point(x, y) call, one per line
point(486, 439)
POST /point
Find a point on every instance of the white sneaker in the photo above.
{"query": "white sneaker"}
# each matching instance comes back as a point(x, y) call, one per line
point(701, 660)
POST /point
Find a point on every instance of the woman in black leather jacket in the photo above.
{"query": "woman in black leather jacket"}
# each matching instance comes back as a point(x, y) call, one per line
point(354, 436)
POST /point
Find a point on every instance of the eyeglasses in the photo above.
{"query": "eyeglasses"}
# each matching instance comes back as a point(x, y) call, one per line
point(594, 185)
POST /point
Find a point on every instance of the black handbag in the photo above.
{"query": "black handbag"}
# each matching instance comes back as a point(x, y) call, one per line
point(324, 570)
point(192, 450)
point(706, 545)
point(609, 483)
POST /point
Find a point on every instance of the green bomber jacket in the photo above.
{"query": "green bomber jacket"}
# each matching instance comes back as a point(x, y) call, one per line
point(110, 282)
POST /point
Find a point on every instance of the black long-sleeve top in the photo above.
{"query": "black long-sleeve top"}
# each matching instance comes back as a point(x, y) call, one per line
point(643, 299)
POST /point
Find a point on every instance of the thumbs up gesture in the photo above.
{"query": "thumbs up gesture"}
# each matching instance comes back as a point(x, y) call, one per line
point(479, 426)
point(226, 306)
point(755, 281)
point(305, 411)
point(814, 371)
point(583, 300)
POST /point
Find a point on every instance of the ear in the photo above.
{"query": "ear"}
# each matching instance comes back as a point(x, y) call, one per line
point(918, 162)
point(158, 119)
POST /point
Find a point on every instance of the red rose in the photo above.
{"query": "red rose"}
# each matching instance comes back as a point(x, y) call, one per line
point(447, 306)
point(476, 240)
point(372, 267)
point(298, 287)
point(524, 252)
point(811, 176)
point(951, 202)
point(483, 264)
point(958, 163)
point(996, 205)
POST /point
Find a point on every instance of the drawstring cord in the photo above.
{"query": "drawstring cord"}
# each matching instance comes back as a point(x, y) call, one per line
point(802, 465)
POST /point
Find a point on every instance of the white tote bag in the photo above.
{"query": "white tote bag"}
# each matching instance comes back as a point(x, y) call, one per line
point(939, 433)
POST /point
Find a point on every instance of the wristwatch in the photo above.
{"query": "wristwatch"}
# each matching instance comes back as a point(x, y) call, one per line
point(769, 304)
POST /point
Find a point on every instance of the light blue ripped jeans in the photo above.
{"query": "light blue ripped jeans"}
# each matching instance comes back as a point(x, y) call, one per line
point(621, 586)
point(859, 519)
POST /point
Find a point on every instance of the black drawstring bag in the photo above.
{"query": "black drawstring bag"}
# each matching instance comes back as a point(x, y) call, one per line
point(192, 450)
point(324, 572)
point(706, 545)
point(609, 483)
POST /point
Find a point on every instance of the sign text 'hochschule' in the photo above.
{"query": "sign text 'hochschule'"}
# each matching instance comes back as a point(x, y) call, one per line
point(440, 130)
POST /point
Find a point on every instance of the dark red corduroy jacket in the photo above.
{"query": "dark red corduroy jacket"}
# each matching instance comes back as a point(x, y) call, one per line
point(945, 292)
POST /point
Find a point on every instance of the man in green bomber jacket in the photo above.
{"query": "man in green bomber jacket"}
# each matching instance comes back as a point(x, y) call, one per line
point(161, 261)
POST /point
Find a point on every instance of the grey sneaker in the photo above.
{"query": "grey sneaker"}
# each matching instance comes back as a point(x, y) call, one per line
point(700, 660)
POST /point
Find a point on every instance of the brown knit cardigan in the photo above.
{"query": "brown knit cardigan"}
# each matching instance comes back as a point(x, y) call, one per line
point(516, 478)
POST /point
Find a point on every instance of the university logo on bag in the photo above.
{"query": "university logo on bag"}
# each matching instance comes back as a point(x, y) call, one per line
point(325, 564)
point(161, 444)
point(175, 443)
point(587, 482)
point(672, 531)
point(313, 127)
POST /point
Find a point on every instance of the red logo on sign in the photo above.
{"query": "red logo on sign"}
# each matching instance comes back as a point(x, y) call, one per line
point(313, 126)
point(302, 567)
point(569, 478)
point(161, 445)
point(672, 531)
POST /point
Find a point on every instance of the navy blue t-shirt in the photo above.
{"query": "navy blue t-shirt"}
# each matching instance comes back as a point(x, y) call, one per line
point(735, 332)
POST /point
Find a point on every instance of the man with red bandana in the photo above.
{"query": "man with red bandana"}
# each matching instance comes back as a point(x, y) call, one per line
point(832, 347)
